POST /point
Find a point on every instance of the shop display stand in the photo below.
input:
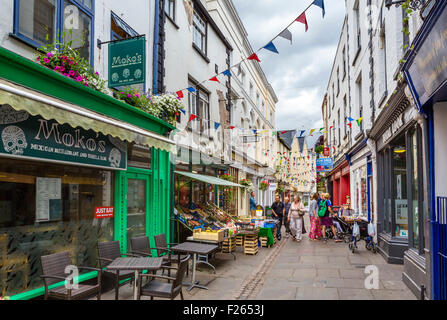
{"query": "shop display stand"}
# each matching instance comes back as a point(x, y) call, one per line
point(264, 241)
point(274, 234)
point(229, 245)
point(240, 240)
point(251, 244)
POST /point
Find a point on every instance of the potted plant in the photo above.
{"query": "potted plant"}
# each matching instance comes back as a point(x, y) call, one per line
point(248, 185)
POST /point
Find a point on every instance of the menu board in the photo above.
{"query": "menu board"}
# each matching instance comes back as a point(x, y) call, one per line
point(48, 199)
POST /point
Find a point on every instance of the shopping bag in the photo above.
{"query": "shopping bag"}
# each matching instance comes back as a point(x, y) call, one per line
point(371, 229)
point(356, 230)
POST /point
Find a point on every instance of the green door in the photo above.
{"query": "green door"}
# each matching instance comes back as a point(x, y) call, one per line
point(138, 190)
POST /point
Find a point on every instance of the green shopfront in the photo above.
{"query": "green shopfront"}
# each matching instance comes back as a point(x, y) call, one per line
point(77, 167)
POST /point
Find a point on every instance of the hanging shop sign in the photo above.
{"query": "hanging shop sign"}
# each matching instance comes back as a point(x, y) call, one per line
point(428, 70)
point(273, 187)
point(127, 62)
point(325, 164)
point(104, 212)
point(327, 152)
point(26, 136)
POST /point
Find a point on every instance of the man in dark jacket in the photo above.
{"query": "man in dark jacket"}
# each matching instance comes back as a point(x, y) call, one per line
point(287, 205)
point(278, 213)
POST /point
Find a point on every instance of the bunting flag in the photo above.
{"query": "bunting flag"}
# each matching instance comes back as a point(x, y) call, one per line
point(311, 132)
point(350, 119)
point(302, 132)
point(302, 18)
point(183, 111)
point(350, 125)
point(227, 73)
point(254, 56)
point(215, 79)
point(180, 94)
point(255, 131)
point(286, 34)
point(271, 47)
point(192, 117)
point(216, 125)
point(232, 127)
point(320, 3)
point(191, 89)
point(359, 121)
point(331, 127)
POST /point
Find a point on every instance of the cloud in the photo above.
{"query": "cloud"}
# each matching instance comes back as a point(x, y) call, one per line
point(300, 73)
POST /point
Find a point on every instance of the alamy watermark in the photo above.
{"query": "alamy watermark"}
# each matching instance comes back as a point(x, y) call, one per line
point(372, 280)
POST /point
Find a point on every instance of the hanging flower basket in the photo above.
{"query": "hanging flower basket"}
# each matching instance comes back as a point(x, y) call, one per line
point(247, 184)
point(264, 185)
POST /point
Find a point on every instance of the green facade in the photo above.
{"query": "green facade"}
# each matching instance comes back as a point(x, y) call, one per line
point(158, 179)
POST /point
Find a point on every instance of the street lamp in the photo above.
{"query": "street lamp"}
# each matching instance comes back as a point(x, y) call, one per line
point(414, 4)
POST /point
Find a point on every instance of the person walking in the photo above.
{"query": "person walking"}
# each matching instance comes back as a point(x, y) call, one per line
point(296, 218)
point(315, 226)
point(278, 213)
point(253, 204)
point(287, 205)
point(325, 212)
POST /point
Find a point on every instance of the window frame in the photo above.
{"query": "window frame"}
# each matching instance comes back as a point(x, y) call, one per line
point(59, 18)
point(205, 35)
point(168, 14)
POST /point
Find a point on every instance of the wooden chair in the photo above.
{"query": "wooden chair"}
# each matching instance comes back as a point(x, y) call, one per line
point(169, 290)
point(107, 253)
point(54, 267)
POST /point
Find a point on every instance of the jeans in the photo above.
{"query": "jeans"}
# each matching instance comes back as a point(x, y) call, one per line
point(286, 224)
point(278, 227)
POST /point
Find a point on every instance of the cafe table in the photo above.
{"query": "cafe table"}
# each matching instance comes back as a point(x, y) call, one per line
point(136, 265)
point(195, 249)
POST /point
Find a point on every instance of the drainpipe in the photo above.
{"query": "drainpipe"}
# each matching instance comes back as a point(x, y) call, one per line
point(156, 47)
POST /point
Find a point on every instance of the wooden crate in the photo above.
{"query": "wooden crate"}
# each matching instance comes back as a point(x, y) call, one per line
point(229, 245)
point(251, 244)
point(264, 241)
point(239, 240)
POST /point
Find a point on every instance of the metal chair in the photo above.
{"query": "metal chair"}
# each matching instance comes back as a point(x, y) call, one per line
point(54, 268)
point(169, 290)
point(107, 253)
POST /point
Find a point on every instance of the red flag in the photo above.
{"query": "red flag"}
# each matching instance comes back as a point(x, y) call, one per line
point(302, 19)
point(215, 79)
point(331, 127)
point(254, 56)
point(192, 117)
point(180, 94)
point(350, 125)
point(232, 127)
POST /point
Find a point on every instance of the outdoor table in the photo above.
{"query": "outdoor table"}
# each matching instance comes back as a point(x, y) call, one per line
point(203, 258)
point(137, 265)
point(195, 249)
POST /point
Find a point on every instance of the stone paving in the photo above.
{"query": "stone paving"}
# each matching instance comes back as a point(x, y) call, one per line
point(295, 271)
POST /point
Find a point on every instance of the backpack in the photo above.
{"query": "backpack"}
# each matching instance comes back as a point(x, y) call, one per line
point(323, 209)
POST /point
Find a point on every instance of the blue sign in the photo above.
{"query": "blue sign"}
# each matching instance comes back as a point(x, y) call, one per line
point(428, 70)
point(325, 164)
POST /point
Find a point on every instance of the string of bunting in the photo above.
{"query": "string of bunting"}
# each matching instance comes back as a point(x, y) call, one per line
point(270, 46)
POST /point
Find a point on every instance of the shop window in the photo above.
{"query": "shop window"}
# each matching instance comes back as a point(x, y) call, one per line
point(399, 158)
point(40, 22)
point(48, 208)
point(139, 156)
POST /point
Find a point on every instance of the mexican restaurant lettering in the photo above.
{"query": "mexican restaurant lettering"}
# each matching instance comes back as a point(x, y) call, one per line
point(35, 137)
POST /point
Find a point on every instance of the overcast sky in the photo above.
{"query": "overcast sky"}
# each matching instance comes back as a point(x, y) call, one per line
point(300, 73)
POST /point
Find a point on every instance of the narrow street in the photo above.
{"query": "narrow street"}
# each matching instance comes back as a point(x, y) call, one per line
point(295, 271)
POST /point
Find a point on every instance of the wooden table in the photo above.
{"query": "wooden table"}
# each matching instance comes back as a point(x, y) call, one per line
point(136, 265)
point(194, 249)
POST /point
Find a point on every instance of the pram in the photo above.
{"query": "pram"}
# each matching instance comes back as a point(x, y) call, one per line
point(360, 232)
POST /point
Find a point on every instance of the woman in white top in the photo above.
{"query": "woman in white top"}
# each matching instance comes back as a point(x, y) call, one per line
point(296, 215)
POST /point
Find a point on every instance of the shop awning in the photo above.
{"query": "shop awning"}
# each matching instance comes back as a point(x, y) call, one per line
point(35, 103)
point(209, 179)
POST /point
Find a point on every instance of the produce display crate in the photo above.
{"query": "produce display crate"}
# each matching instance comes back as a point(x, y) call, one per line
point(251, 244)
point(239, 240)
point(274, 235)
point(229, 245)
point(264, 241)
point(213, 236)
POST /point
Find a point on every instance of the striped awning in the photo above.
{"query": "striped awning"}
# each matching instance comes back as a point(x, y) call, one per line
point(35, 103)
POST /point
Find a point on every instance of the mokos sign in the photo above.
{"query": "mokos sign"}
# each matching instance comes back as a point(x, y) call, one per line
point(23, 135)
point(127, 62)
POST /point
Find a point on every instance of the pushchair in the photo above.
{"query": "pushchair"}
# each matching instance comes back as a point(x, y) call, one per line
point(360, 231)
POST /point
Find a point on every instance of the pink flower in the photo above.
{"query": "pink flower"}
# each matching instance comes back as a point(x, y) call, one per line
point(71, 73)
point(61, 68)
point(38, 59)
point(66, 74)
point(137, 95)
point(86, 84)
point(122, 92)
point(97, 73)
point(70, 62)
point(49, 55)
point(79, 79)
point(129, 95)
point(46, 60)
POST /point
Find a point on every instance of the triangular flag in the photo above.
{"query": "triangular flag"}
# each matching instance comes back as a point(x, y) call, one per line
point(215, 79)
point(232, 127)
point(311, 132)
point(271, 47)
point(180, 94)
point(286, 34)
point(254, 56)
point(302, 132)
point(255, 131)
point(227, 73)
point(350, 125)
point(321, 129)
point(216, 125)
point(191, 89)
point(192, 117)
point(331, 127)
point(302, 19)
point(320, 3)
point(183, 110)
point(359, 121)
point(350, 119)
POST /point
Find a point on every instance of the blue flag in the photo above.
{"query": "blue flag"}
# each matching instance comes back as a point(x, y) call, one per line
point(191, 89)
point(350, 119)
point(320, 3)
point(183, 110)
point(216, 125)
point(302, 132)
point(271, 47)
point(227, 73)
